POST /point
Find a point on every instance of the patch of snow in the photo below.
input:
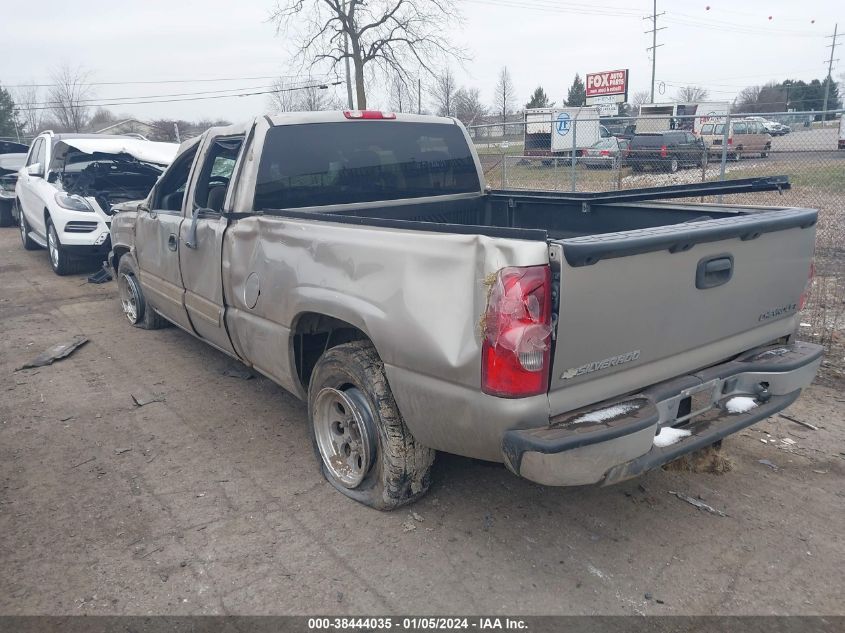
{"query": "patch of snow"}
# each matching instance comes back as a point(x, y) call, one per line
point(740, 404)
point(602, 415)
point(806, 325)
point(669, 436)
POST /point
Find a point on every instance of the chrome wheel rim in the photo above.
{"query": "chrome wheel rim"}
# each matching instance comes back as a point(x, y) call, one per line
point(674, 166)
point(128, 298)
point(52, 246)
point(343, 427)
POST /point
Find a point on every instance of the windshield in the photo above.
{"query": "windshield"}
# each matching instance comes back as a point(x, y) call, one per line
point(319, 164)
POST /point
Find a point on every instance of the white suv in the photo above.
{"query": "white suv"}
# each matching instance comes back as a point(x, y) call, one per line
point(70, 182)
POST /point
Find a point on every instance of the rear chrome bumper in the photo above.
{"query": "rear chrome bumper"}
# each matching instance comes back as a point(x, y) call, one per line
point(615, 440)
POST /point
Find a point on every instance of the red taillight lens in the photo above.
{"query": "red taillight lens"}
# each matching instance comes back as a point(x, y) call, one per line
point(515, 353)
point(663, 152)
point(730, 141)
point(368, 114)
point(806, 294)
point(604, 152)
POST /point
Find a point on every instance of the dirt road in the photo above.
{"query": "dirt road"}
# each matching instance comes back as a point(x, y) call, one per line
point(210, 501)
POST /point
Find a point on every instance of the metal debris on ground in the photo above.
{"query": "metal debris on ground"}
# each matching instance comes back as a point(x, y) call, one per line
point(121, 451)
point(57, 352)
point(244, 373)
point(697, 503)
point(101, 276)
point(409, 526)
point(141, 401)
point(799, 422)
point(771, 465)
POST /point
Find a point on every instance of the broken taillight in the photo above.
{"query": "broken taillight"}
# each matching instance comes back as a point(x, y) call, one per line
point(515, 353)
point(368, 114)
point(807, 288)
point(664, 152)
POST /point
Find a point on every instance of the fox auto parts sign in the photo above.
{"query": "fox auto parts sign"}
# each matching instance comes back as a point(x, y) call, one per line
point(611, 82)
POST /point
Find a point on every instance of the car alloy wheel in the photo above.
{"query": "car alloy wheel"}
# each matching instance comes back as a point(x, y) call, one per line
point(53, 245)
point(345, 434)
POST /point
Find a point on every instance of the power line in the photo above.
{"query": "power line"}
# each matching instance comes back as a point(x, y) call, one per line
point(654, 45)
point(172, 94)
point(165, 81)
point(244, 94)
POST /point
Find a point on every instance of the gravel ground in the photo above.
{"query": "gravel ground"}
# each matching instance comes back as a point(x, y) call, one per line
point(210, 500)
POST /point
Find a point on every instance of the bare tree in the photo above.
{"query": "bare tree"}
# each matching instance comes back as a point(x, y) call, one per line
point(747, 99)
point(468, 107)
point(316, 98)
point(640, 97)
point(69, 97)
point(692, 94)
point(403, 95)
point(505, 95)
point(283, 98)
point(443, 93)
point(390, 36)
point(30, 112)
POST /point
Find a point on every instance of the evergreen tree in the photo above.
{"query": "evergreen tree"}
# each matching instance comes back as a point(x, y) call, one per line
point(539, 99)
point(577, 95)
point(7, 114)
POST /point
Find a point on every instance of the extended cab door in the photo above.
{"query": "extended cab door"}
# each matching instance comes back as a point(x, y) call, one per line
point(202, 237)
point(157, 242)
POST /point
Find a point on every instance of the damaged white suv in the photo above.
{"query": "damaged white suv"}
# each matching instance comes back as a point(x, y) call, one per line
point(69, 185)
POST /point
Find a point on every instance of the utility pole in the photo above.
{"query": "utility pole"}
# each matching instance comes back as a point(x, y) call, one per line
point(832, 48)
point(346, 61)
point(653, 48)
point(419, 95)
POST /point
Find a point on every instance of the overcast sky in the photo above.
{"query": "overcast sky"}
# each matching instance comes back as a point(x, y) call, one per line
point(725, 48)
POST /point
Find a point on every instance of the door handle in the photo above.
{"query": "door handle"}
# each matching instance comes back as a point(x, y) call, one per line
point(172, 242)
point(714, 271)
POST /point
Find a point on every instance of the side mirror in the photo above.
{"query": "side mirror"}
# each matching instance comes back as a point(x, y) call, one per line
point(35, 170)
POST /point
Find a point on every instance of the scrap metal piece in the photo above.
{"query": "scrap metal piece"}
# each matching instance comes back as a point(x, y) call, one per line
point(141, 401)
point(57, 352)
point(697, 503)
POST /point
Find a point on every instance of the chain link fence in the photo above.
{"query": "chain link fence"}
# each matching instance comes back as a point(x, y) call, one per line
point(580, 154)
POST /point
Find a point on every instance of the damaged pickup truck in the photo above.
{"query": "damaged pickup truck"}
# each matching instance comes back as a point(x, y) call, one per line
point(357, 259)
point(66, 192)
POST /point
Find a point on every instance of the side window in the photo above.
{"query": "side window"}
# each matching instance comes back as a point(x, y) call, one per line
point(690, 138)
point(170, 190)
point(740, 128)
point(216, 174)
point(33, 153)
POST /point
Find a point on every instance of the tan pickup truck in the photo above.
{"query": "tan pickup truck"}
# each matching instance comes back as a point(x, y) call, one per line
point(357, 259)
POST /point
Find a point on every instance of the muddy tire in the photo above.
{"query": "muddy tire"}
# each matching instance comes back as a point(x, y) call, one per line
point(363, 446)
point(26, 241)
point(132, 300)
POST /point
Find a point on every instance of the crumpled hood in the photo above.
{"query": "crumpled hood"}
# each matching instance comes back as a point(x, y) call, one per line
point(146, 151)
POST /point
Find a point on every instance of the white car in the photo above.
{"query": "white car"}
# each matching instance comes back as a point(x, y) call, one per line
point(70, 182)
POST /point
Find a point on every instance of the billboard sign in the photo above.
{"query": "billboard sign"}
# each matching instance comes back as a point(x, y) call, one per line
point(611, 83)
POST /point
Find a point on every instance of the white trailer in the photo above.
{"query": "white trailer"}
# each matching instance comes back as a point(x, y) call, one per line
point(658, 117)
point(552, 131)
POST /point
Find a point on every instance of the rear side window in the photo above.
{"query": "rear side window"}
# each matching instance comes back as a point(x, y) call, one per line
point(320, 164)
point(740, 128)
point(707, 128)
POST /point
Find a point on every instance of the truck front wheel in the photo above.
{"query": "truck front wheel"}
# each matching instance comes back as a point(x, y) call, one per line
point(132, 300)
point(365, 449)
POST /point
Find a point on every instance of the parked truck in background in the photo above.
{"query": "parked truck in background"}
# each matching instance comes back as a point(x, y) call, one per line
point(559, 131)
point(357, 260)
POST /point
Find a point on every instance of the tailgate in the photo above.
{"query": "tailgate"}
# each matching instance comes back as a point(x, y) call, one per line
point(638, 307)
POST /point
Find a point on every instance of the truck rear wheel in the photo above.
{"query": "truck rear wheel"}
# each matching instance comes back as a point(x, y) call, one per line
point(365, 449)
point(132, 299)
